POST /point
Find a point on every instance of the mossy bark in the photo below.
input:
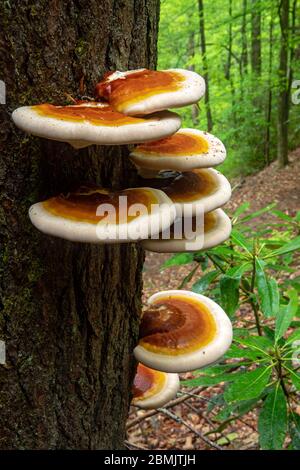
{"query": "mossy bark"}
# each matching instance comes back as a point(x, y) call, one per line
point(69, 312)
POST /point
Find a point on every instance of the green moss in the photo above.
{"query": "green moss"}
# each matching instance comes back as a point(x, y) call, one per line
point(35, 271)
point(81, 48)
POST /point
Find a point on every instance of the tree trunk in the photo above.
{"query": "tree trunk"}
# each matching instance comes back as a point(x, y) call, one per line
point(191, 56)
point(292, 46)
point(283, 97)
point(270, 90)
point(205, 65)
point(255, 37)
point(244, 53)
point(69, 313)
point(228, 74)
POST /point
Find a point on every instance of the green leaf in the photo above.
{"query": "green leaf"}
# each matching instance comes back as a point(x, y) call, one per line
point(178, 260)
point(274, 295)
point(295, 336)
point(270, 334)
point(235, 352)
point(229, 289)
point(294, 421)
point(241, 209)
point(294, 245)
point(223, 441)
point(272, 422)
point(241, 241)
point(258, 213)
point(249, 385)
point(286, 314)
point(296, 380)
point(210, 380)
point(203, 283)
point(267, 290)
point(260, 345)
point(240, 332)
point(282, 215)
point(239, 409)
point(239, 270)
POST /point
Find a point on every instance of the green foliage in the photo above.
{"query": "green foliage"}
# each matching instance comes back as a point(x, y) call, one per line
point(238, 96)
point(272, 422)
point(250, 385)
point(262, 367)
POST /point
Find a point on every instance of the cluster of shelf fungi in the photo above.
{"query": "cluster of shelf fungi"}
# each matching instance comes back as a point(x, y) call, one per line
point(180, 331)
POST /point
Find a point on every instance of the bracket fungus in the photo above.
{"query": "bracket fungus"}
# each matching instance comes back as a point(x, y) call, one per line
point(182, 331)
point(200, 190)
point(186, 150)
point(86, 123)
point(143, 91)
point(214, 229)
point(96, 215)
point(152, 388)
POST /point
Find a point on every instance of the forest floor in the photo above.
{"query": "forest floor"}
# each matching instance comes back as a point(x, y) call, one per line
point(191, 423)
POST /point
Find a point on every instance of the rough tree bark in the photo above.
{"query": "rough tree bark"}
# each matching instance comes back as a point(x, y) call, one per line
point(69, 312)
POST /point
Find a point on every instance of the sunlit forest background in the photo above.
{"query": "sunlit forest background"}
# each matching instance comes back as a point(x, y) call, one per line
point(248, 51)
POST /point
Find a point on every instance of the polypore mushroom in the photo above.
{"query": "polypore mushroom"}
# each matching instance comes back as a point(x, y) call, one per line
point(143, 91)
point(96, 215)
point(182, 331)
point(215, 229)
point(152, 388)
point(185, 150)
point(87, 123)
point(200, 190)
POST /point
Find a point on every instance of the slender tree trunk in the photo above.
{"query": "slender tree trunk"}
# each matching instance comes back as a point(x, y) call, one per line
point(270, 90)
point(292, 47)
point(256, 37)
point(244, 54)
point(205, 64)
point(191, 56)
point(228, 74)
point(283, 96)
point(69, 313)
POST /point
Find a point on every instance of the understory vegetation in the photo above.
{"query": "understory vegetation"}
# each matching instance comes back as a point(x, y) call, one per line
point(252, 276)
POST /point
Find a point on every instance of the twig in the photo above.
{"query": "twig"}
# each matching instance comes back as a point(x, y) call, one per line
point(150, 413)
point(191, 428)
point(188, 277)
point(208, 420)
point(200, 397)
point(135, 446)
point(233, 418)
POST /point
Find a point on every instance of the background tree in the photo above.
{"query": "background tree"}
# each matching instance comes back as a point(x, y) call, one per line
point(205, 64)
point(256, 36)
point(283, 97)
point(242, 38)
point(69, 312)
